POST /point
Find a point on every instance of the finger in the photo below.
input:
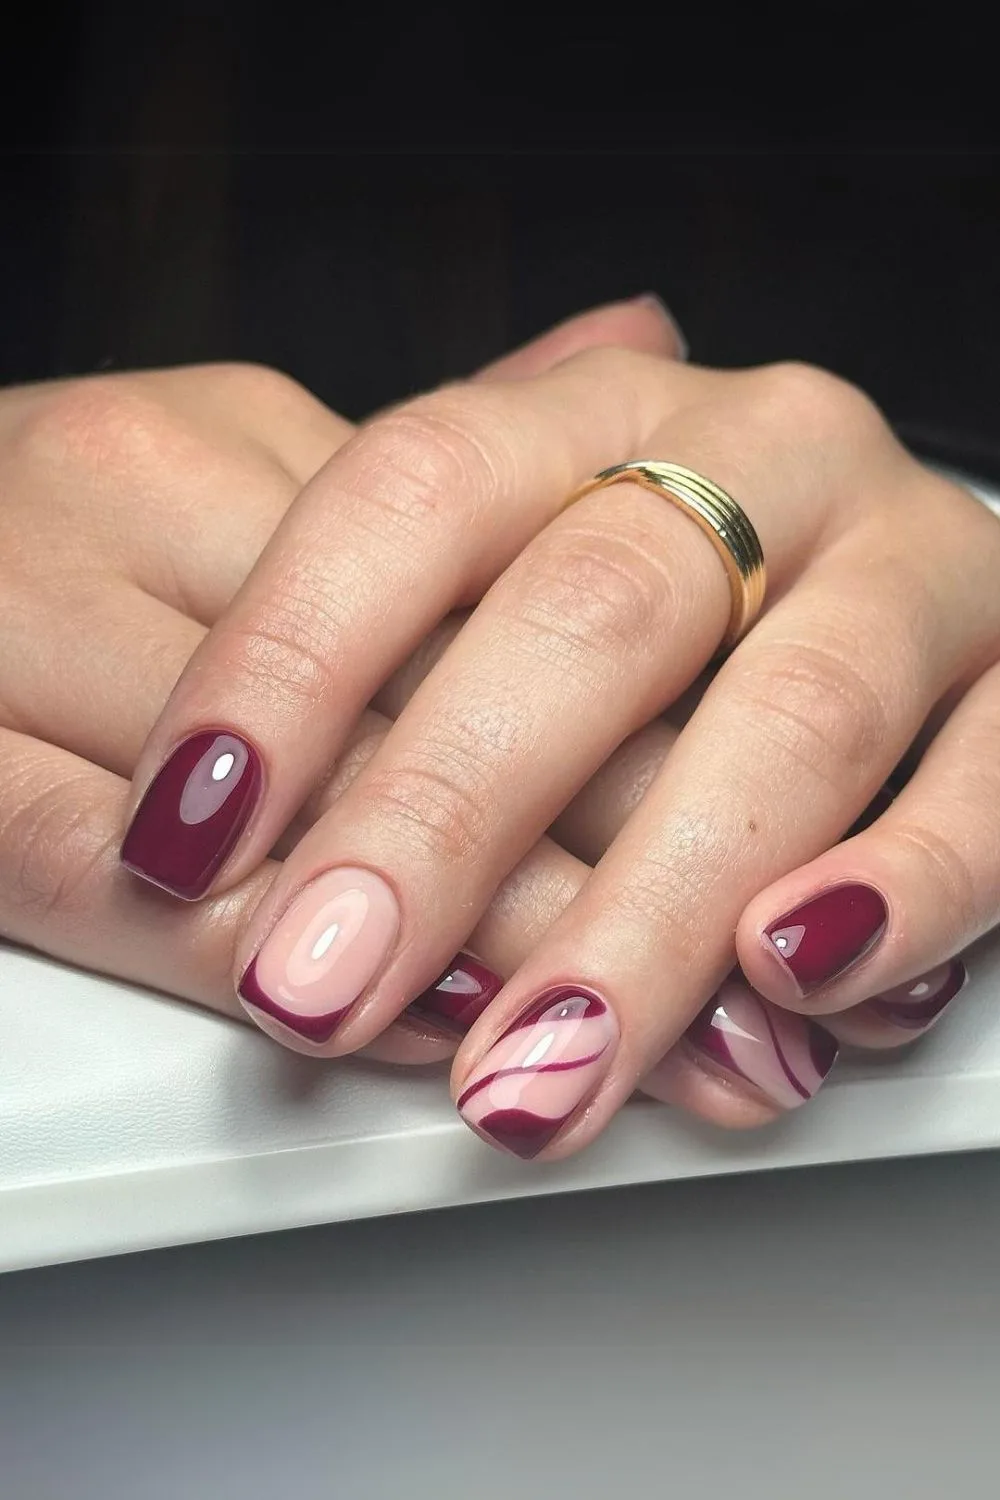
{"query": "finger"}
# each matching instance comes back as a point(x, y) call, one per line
point(890, 907)
point(63, 892)
point(88, 666)
point(608, 614)
point(644, 324)
point(902, 1014)
point(414, 516)
point(821, 698)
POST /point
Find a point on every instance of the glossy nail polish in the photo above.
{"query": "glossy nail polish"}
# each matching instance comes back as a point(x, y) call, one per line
point(193, 812)
point(785, 1056)
point(821, 939)
point(322, 953)
point(543, 1068)
point(459, 997)
point(917, 1004)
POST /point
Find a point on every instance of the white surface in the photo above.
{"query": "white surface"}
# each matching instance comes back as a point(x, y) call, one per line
point(832, 1334)
point(128, 1121)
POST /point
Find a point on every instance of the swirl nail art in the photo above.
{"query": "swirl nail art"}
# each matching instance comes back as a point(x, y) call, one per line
point(917, 1004)
point(785, 1056)
point(539, 1073)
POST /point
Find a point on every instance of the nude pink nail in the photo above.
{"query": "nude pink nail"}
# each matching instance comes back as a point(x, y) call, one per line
point(322, 953)
point(546, 1065)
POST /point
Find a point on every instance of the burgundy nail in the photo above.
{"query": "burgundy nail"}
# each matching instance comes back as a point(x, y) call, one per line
point(459, 997)
point(193, 813)
point(784, 1055)
point(823, 938)
point(916, 1004)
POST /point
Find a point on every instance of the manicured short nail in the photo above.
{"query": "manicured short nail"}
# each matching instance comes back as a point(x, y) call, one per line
point(785, 1056)
point(548, 1063)
point(459, 997)
point(917, 1004)
point(823, 938)
point(654, 300)
point(193, 812)
point(322, 953)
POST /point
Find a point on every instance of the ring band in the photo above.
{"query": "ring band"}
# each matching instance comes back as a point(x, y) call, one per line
point(724, 522)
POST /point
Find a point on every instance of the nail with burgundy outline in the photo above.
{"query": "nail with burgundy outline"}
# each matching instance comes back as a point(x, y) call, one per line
point(828, 935)
point(193, 813)
point(459, 997)
point(321, 954)
point(783, 1055)
point(916, 1005)
point(543, 1068)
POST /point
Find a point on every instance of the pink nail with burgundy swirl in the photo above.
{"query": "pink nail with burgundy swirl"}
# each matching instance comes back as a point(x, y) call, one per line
point(917, 1004)
point(783, 1055)
point(459, 997)
point(541, 1070)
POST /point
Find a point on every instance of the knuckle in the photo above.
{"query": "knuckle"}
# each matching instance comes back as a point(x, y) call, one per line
point(814, 705)
point(89, 426)
point(815, 404)
point(443, 795)
point(948, 873)
point(591, 597)
point(663, 896)
point(286, 656)
point(435, 451)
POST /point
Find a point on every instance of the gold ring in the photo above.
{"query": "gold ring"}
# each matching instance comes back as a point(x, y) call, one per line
point(724, 522)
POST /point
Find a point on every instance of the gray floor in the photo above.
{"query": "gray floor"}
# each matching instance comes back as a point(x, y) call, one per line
point(831, 1333)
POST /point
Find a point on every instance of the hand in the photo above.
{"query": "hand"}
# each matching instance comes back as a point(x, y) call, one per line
point(883, 601)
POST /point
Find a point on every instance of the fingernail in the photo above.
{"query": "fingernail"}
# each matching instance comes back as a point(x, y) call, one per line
point(193, 812)
point(651, 299)
point(917, 1004)
point(548, 1063)
point(322, 953)
point(822, 939)
point(459, 997)
point(785, 1056)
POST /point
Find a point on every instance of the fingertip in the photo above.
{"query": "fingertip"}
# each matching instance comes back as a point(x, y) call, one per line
point(642, 323)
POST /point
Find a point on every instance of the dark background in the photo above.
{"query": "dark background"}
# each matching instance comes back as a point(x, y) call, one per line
point(373, 201)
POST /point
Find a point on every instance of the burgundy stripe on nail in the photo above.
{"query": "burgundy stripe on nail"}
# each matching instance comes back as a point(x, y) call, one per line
point(313, 1028)
point(193, 813)
point(783, 1055)
point(557, 1067)
point(535, 1077)
point(826, 936)
point(458, 998)
point(916, 1004)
